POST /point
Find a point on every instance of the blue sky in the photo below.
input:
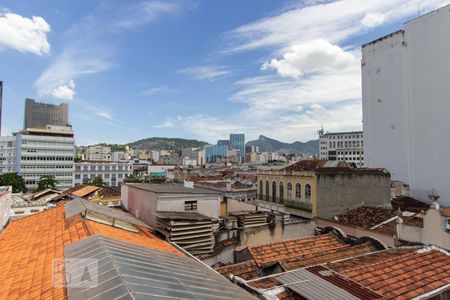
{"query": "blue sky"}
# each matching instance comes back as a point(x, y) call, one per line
point(193, 69)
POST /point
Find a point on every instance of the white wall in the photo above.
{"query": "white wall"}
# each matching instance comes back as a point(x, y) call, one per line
point(406, 102)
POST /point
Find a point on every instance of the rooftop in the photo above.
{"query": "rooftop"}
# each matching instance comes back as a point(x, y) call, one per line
point(170, 189)
point(305, 165)
point(403, 276)
point(29, 245)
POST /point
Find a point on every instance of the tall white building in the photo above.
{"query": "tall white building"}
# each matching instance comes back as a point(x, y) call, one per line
point(7, 154)
point(98, 152)
point(45, 152)
point(112, 173)
point(343, 146)
point(406, 104)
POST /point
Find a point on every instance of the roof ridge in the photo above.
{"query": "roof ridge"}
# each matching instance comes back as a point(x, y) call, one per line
point(294, 239)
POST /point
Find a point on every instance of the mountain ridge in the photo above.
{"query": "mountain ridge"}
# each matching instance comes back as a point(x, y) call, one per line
point(267, 144)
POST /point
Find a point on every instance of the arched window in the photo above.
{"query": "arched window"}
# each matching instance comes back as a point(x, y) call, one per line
point(260, 189)
point(307, 192)
point(281, 191)
point(274, 192)
point(267, 191)
point(298, 190)
point(289, 191)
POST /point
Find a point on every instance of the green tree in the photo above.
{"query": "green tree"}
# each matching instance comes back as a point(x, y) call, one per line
point(14, 180)
point(47, 182)
point(98, 181)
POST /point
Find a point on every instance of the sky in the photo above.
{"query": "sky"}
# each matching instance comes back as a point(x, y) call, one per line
point(191, 68)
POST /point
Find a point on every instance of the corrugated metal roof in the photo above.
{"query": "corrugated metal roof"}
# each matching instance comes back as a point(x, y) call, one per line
point(81, 206)
point(313, 287)
point(165, 188)
point(86, 190)
point(127, 271)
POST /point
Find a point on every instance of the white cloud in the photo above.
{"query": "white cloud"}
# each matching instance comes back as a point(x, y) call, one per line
point(335, 21)
point(24, 34)
point(65, 90)
point(105, 115)
point(205, 72)
point(373, 20)
point(144, 12)
point(317, 55)
point(156, 90)
point(168, 123)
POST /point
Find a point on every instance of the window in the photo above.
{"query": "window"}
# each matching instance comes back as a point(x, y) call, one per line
point(267, 191)
point(260, 187)
point(298, 190)
point(274, 192)
point(289, 191)
point(308, 192)
point(281, 191)
point(190, 205)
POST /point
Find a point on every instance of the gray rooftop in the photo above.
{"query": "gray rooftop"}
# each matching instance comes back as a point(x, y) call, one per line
point(127, 271)
point(170, 188)
point(181, 215)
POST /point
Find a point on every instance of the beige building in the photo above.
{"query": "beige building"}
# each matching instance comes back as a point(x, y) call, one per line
point(98, 153)
point(318, 188)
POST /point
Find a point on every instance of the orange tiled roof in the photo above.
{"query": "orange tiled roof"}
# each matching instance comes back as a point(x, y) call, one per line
point(273, 252)
point(29, 245)
point(246, 270)
point(328, 255)
point(402, 274)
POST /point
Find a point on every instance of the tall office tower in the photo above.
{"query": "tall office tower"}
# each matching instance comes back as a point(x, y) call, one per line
point(406, 104)
point(1, 105)
point(39, 115)
point(45, 151)
point(237, 141)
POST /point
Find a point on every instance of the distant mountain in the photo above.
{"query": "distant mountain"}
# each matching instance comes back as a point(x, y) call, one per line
point(267, 144)
point(159, 143)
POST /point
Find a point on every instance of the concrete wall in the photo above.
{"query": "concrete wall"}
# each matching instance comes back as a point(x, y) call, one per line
point(433, 231)
point(235, 205)
point(338, 192)
point(143, 204)
point(353, 231)
point(5, 205)
point(253, 236)
point(405, 104)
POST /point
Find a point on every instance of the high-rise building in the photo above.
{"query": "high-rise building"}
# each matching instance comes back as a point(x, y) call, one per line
point(45, 152)
point(405, 92)
point(237, 141)
point(223, 142)
point(215, 152)
point(39, 115)
point(342, 146)
point(1, 105)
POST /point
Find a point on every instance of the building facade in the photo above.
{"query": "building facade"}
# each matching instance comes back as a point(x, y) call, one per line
point(215, 152)
point(405, 104)
point(342, 146)
point(39, 115)
point(112, 173)
point(309, 188)
point(98, 152)
point(45, 152)
point(7, 154)
point(237, 141)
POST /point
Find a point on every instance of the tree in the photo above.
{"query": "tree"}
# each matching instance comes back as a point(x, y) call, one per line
point(98, 181)
point(47, 182)
point(14, 180)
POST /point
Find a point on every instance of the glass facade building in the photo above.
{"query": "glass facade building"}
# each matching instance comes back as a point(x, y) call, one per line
point(237, 141)
point(214, 152)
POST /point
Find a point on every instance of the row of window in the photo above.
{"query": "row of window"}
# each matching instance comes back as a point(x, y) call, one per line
point(104, 176)
point(103, 168)
point(48, 158)
point(298, 190)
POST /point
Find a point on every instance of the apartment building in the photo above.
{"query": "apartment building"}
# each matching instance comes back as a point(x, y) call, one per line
point(98, 152)
point(342, 146)
point(7, 154)
point(45, 151)
point(112, 173)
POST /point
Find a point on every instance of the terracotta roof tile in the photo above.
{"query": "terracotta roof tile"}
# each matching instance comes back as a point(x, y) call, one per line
point(278, 251)
point(399, 274)
point(246, 270)
point(29, 245)
point(305, 165)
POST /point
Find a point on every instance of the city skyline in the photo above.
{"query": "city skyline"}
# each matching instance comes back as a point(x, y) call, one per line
point(229, 76)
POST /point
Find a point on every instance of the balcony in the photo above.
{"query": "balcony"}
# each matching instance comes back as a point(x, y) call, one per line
point(297, 203)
